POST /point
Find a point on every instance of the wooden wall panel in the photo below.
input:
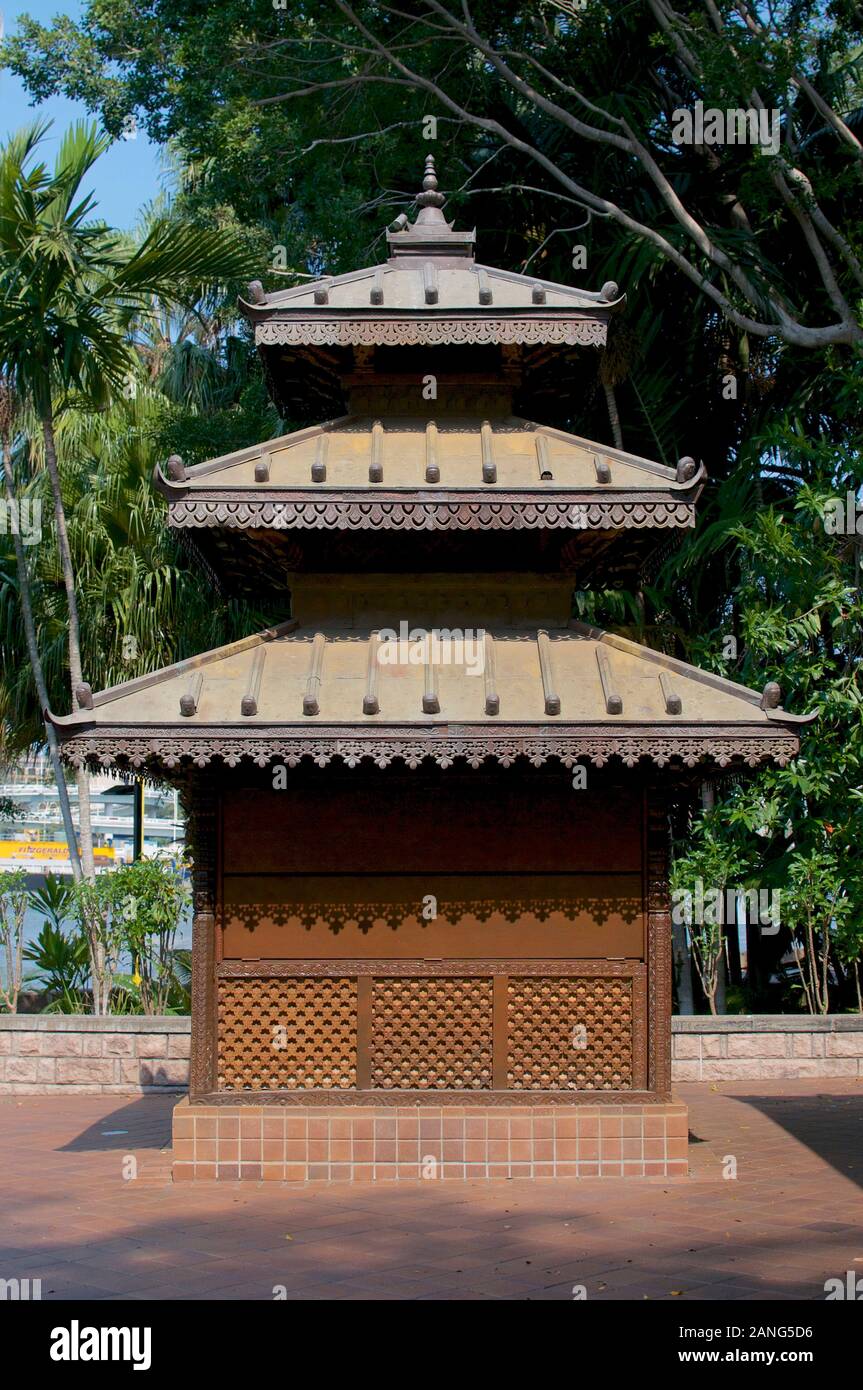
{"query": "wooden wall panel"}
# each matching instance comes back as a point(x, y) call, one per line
point(449, 824)
point(432, 1033)
point(503, 916)
point(287, 1034)
point(570, 1034)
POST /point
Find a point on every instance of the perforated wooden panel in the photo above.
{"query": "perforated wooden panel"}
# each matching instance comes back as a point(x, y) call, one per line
point(287, 1034)
point(569, 1034)
point(432, 1034)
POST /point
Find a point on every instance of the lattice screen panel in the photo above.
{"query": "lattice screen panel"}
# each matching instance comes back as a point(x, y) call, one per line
point(570, 1034)
point(432, 1034)
point(287, 1034)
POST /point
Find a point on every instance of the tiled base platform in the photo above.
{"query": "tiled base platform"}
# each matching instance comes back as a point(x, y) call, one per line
point(387, 1144)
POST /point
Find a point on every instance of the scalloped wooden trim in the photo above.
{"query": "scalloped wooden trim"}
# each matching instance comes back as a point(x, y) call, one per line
point(408, 332)
point(383, 747)
point(320, 514)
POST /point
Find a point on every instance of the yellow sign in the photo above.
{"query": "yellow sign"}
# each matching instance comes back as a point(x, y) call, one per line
point(46, 849)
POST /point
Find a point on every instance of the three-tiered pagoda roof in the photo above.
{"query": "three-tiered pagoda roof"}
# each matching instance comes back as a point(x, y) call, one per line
point(428, 502)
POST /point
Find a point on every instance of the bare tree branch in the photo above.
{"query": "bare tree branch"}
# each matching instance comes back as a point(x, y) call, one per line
point(752, 305)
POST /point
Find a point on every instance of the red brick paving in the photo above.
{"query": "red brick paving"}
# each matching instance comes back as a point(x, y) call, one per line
point(792, 1218)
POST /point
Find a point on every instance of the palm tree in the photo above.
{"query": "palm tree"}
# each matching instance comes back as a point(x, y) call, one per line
point(25, 598)
point(615, 366)
point(71, 293)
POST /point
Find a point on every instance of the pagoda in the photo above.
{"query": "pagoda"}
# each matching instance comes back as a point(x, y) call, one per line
point(429, 809)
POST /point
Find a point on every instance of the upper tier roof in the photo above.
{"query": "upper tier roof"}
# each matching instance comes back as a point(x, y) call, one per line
point(430, 291)
point(422, 302)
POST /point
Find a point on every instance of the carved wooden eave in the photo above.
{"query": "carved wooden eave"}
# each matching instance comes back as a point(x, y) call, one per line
point(386, 306)
point(473, 458)
point(572, 695)
point(388, 511)
point(445, 473)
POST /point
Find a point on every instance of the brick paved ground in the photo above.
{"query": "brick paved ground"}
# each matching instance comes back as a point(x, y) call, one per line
point(791, 1219)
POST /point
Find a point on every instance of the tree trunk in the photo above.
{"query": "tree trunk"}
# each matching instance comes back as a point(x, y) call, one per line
point(718, 1001)
point(613, 416)
point(732, 949)
point(38, 673)
point(85, 822)
point(82, 777)
point(75, 674)
point(682, 968)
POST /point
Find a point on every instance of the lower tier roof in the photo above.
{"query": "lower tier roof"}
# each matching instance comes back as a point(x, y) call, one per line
point(572, 694)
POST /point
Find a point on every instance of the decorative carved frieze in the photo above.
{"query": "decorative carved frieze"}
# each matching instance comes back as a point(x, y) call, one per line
point(382, 747)
point(316, 514)
point(407, 332)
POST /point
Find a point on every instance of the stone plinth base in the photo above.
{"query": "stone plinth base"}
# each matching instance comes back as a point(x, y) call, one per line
point(288, 1143)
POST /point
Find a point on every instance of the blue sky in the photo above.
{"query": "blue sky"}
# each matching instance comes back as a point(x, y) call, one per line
point(128, 174)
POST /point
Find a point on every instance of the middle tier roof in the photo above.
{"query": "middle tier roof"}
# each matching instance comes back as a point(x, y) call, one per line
point(572, 499)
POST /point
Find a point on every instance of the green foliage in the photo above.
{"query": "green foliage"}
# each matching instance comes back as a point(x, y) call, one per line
point(703, 867)
point(54, 899)
point(142, 600)
point(319, 175)
point(13, 906)
point(86, 318)
point(198, 434)
point(796, 611)
point(59, 953)
point(61, 963)
point(135, 911)
point(71, 290)
point(818, 909)
point(149, 897)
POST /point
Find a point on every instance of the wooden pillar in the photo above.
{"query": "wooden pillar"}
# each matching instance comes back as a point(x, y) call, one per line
point(202, 807)
point(657, 837)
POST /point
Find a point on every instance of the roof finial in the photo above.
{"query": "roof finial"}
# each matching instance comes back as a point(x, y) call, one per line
point(430, 198)
point(430, 236)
